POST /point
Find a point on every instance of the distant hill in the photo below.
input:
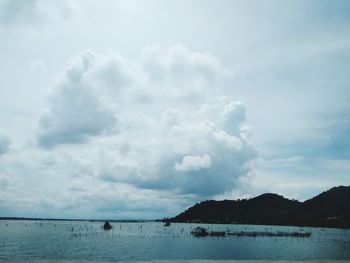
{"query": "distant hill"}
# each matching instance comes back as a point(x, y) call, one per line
point(328, 209)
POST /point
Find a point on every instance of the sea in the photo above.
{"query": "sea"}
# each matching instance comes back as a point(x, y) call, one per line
point(77, 241)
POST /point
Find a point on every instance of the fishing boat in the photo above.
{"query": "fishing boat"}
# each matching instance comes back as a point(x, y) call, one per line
point(107, 226)
point(167, 223)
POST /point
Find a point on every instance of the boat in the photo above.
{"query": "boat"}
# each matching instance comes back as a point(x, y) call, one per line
point(167, 223)
point(107, 226)
point(199, 232)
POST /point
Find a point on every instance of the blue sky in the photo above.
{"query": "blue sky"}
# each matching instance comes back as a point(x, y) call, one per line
point(131, 109)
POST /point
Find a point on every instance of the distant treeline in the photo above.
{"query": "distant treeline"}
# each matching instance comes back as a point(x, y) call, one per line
point(328, 209)
point(66, 219)
point(40, 219)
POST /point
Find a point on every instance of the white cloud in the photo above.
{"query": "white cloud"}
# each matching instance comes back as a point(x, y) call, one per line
point(193, 163)
point(157, 147)
point(96, 89)
point(183, 152)
point(165, 146)
point(230, 115)
point(75, 111)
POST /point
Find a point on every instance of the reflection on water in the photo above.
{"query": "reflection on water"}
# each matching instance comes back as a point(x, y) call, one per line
point(151, 240)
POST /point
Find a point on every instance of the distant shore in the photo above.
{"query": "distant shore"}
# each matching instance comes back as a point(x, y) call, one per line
point(156, 220)
point(75, 219)
point(179, 261)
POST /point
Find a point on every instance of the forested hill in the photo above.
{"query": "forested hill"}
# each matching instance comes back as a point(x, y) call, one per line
point(328, 209)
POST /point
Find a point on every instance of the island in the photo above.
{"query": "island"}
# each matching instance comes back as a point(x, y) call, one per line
point(328, 209)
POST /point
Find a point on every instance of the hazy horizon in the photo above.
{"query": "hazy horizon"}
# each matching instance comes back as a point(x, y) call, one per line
point(140, 109)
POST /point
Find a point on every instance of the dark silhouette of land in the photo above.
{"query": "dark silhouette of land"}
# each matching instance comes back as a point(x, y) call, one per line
point(328, 209)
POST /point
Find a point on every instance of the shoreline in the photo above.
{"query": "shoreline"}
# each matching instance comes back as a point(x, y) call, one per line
point(177, 261)
point(158, 221)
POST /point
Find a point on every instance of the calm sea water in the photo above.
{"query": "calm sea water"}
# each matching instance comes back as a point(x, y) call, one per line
point(43, 240)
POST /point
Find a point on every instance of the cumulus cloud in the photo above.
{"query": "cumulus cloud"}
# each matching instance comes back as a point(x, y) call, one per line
point(123, 127)
point(157, 146)
point(193, 163)
point(75, 111)
point(94, 89)
point(184, 153)
point(5, 142)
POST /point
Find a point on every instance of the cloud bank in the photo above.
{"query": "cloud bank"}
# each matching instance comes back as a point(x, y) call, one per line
point(157, 143)
point(125, 132)
point(122, 128)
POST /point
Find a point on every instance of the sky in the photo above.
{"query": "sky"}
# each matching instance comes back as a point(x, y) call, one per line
point(140, 109)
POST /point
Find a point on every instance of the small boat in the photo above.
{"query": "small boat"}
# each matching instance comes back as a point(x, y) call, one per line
point(107, 226)
point(167, 223)
point(199, 232)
